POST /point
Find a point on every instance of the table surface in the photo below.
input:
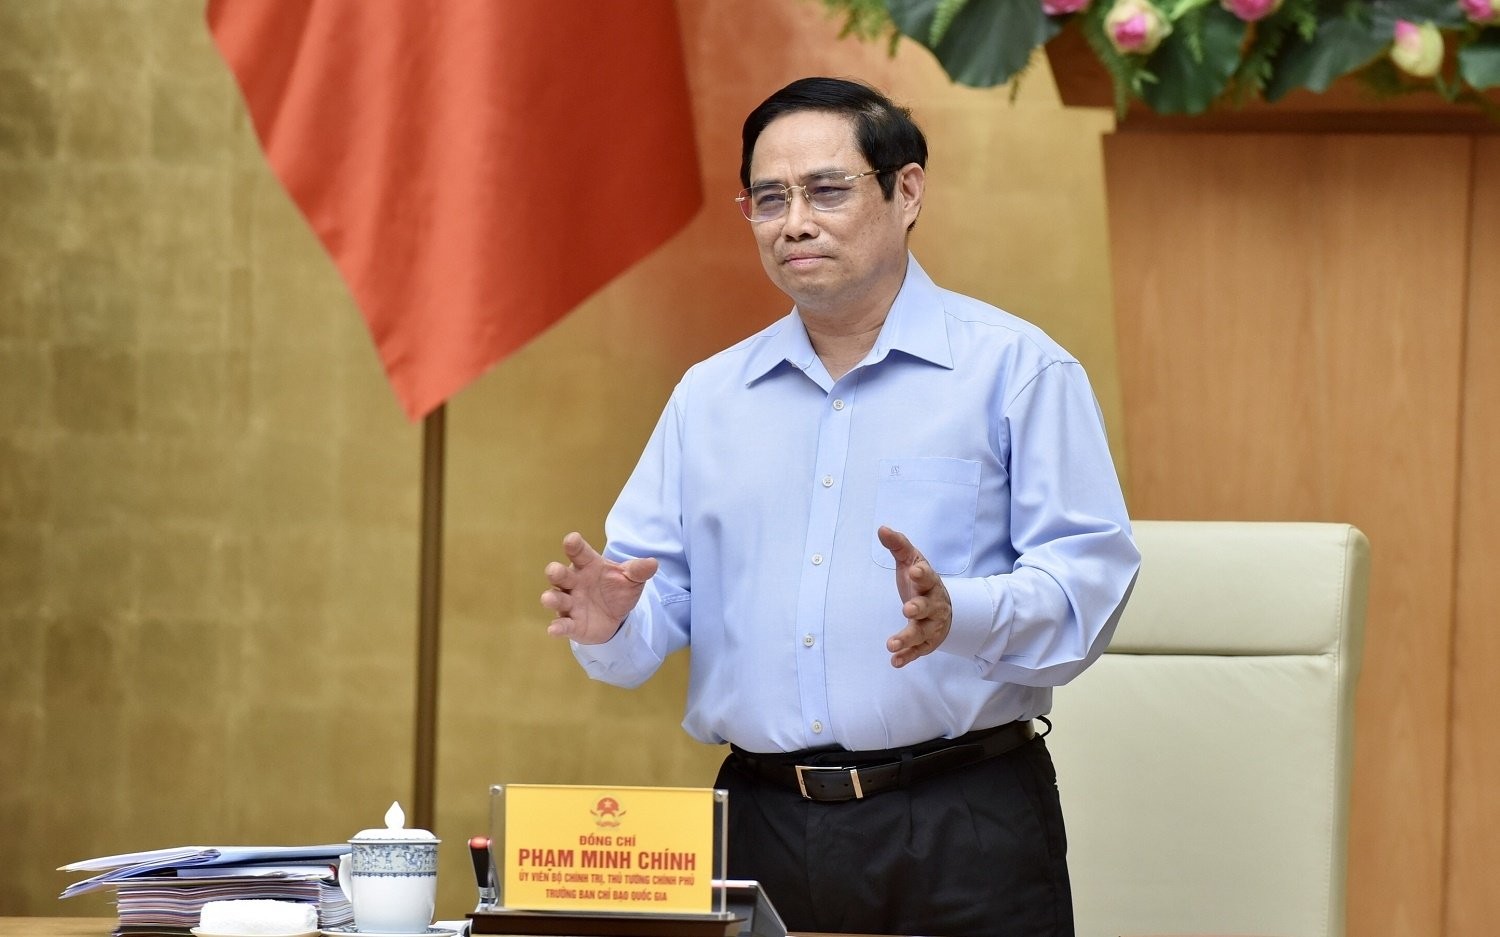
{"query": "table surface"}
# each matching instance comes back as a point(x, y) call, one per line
point(103, 926)
point(56, 926)
point(80, 927)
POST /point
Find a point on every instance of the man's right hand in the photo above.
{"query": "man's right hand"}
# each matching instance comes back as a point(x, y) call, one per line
point(592, 595)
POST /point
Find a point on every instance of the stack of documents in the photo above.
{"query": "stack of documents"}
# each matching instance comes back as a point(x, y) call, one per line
point(163, 891)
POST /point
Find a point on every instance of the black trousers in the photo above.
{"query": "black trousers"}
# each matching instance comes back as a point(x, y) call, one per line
point(976, 852)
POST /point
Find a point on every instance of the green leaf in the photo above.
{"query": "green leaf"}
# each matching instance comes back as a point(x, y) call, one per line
point(1385, 80)
point(1267, 38)
point(942, 19)
point(988, 41)
point(1303, 14)
point(863, 19)
point(1124, 71)
point(1444, 14)
point(1184, 7)
point(1341, 45)
point(1193, 64)
point(1479, 61)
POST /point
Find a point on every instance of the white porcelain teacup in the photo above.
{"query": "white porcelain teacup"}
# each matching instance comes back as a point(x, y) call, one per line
point(390, 876)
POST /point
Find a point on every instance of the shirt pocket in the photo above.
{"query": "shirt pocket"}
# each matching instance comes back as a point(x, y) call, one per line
point(932, 502)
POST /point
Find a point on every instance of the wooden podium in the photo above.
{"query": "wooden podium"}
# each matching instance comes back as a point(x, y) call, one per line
point(1307, 299)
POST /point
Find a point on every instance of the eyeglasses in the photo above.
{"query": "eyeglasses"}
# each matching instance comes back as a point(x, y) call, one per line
point(826, 191)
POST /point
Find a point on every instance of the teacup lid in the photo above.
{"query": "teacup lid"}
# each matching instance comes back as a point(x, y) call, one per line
point(395, 830)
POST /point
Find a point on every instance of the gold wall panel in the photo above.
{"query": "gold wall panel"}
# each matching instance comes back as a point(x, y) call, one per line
point(1473, 903)
point(1290, 331)
point(207, 493)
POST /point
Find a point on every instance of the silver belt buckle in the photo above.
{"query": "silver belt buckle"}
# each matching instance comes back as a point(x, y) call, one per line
point(859, 792)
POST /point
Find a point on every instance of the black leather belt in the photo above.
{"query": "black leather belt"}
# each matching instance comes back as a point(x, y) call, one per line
point(848, 779)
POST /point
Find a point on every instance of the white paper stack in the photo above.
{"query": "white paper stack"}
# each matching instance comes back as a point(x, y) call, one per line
point(163, 891)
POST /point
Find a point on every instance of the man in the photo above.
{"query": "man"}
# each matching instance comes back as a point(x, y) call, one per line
point(887, 525)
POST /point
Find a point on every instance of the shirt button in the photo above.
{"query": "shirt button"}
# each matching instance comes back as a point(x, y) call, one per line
point(807, 640)
point(827, 481)
point(817, 727)
point(817, 559)
point(838, 404)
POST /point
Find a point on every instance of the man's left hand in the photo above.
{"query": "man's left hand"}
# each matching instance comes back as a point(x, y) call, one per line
point(924, 601)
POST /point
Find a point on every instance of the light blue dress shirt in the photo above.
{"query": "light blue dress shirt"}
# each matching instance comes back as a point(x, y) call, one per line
point(760, 492)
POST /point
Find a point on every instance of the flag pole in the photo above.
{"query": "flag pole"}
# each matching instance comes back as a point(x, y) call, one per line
point(429, 616)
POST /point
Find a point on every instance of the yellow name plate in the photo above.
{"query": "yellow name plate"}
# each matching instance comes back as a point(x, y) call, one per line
point(614, 849)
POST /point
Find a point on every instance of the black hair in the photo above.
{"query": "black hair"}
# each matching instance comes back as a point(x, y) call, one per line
point(888, 138)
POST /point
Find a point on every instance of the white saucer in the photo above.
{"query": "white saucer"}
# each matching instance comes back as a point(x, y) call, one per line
point(349, 930)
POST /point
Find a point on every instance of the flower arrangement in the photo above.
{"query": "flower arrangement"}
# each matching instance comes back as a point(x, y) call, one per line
point(1184, 56)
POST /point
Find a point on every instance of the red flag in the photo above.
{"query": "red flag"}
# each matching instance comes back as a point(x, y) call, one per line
point(476, 168)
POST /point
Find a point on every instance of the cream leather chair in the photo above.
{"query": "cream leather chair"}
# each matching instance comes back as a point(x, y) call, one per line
point(1204, 761)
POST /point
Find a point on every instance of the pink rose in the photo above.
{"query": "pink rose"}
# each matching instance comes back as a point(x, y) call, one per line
point(1251, 10)
point(1417, 50)
point(1136, 27)
point(1064, 7)
point(1481, 11)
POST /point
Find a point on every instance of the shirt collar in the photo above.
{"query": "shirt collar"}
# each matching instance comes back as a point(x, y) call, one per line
point(917, 322)
point(786, 340)
point(915, 326)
